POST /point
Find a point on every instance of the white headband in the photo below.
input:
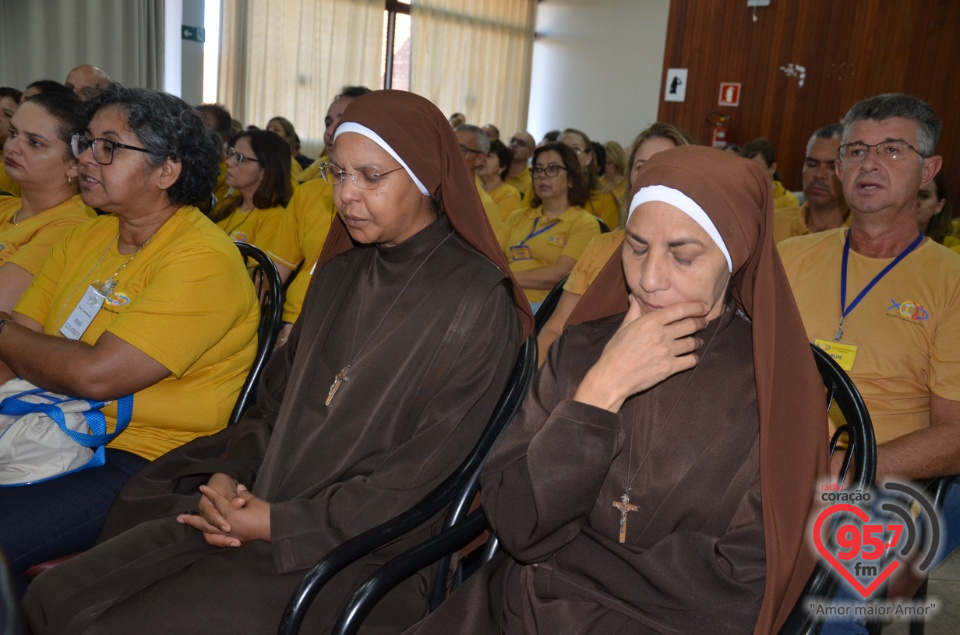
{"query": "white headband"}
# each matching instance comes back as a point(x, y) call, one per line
point(351, 126)
point(685, 204)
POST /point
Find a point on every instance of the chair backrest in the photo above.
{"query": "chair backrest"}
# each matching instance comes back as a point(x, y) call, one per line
point(454, 487)
point(269, 288)
point(548, 306)
point(862, 450)
point(604, 228)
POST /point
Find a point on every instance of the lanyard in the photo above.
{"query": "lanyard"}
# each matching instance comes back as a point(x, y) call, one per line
point(535, 232)
point(844, 309)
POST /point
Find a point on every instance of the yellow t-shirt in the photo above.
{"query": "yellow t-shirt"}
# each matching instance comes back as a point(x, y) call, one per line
point(593, 260)
point(256, 226)
point(489, 205)
point(185, 300)
point(522, 182)
point(6, 183)
point(28, 243)
point(603, 205)
point(295, 170)
point(507, 199)
point(312, 171)
point(303, 229)
point(792, 221)
point(782, 197)
point(568, 235)
point(907, 327)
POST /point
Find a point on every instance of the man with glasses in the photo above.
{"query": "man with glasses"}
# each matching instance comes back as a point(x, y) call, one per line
point(885, 300)
point(475, 145)
point(523, 145)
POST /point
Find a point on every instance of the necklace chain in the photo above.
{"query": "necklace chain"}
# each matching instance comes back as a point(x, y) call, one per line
point(107, 287)
point(15, 219)
point(341, 377)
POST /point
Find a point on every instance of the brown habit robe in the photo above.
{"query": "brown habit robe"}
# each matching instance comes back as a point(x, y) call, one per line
point(725, 467)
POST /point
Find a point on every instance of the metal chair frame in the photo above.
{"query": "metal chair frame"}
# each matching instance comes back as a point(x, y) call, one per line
point(271, 319)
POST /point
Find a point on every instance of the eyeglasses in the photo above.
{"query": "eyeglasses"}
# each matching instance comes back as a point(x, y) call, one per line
point(886, 150)
point(466, 150)
point(520, 142)
point(364, 179)
point(103, 149)
point(551, 170)
point(238, 158)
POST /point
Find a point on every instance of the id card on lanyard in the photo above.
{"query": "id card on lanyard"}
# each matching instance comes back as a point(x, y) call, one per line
point(521, 251)
point(845, 353)
point(83, 314)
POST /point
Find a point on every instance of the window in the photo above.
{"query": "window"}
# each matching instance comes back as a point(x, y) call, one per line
point(395, 69)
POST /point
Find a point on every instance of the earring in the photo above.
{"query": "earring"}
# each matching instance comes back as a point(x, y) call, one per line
point(69, 179)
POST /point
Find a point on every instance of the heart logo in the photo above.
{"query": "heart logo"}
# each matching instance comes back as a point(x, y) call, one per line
point(865, 591)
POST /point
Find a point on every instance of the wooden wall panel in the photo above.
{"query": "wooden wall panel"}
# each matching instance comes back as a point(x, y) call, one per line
point(851, 49)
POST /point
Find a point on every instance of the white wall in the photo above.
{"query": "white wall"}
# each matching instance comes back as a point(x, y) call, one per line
point(597, 66)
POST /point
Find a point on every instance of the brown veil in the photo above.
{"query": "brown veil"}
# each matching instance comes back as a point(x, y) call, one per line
point(737, 195)
point(422, 136)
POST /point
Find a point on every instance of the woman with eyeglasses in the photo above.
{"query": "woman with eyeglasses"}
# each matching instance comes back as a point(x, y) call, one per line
point(601, 203)
point(39, 160)
point(258, 169)
point(544, 241)
point(408, 335)
point(151, 299)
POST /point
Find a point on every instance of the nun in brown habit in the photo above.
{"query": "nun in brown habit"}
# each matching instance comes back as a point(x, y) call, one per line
point(408, 335)
point(660, 474)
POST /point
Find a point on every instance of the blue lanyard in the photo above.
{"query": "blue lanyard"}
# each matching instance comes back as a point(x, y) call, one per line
point(844, 309)
point(535, 232)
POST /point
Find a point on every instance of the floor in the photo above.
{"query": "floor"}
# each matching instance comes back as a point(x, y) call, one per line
point(944, 585)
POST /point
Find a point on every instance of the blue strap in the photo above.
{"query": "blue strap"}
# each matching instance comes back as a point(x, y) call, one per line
point(844, 309)
point(15, 406)
point(535, 232)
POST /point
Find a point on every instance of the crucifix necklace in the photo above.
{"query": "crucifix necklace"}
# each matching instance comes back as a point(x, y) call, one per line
point(342, 376)
point(624, 506)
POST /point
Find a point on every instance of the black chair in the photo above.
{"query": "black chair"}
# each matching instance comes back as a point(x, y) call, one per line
point(862, 450)
point(861, 446)
point(455, 493)
point(269, 288)
point(604, 228)
point(548, 306)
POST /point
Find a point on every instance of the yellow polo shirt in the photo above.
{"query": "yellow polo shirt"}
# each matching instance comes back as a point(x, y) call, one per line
point(792, 221)
point(185, 300)
point(593, 260)
point(567, 235)
point(28, 243)
point(907, 328)
point(255, 226)
point(303, 229)
point(522, 182)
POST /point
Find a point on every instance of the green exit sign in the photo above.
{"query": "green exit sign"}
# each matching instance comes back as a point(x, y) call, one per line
point(193, 33)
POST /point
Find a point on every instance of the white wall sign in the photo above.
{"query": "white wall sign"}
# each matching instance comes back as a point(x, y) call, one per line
point(676, 86)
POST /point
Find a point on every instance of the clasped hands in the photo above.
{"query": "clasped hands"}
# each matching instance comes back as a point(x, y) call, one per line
point(644, 351)
point(229, 515)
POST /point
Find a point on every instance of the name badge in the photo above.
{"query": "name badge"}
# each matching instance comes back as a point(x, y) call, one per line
point(520, 252)
point(81, 317)
point(842, 353)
